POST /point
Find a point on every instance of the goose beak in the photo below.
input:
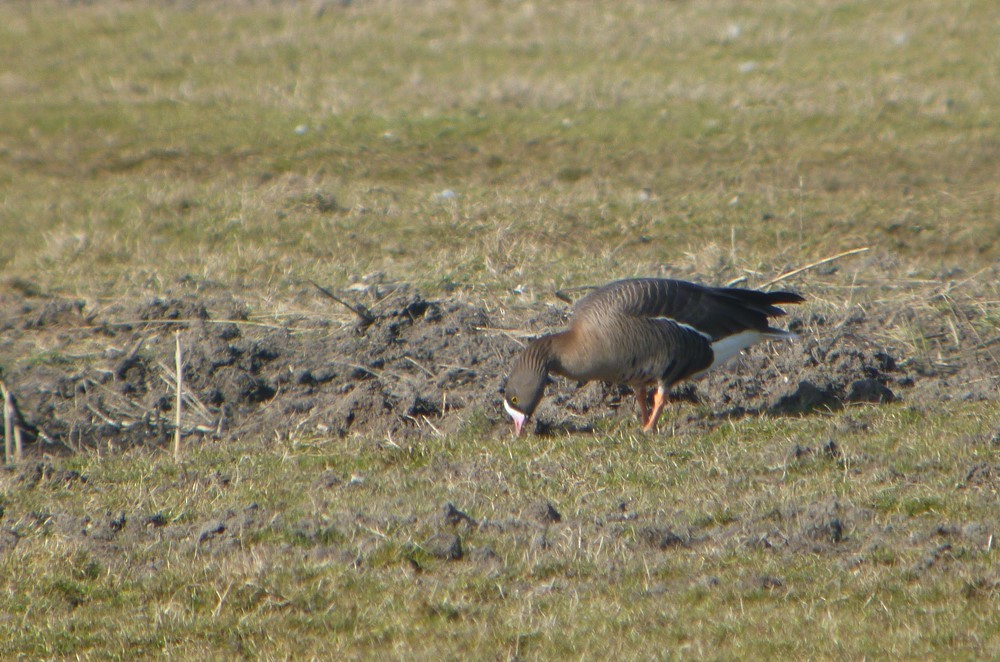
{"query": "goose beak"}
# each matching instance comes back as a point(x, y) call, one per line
point(518, 417)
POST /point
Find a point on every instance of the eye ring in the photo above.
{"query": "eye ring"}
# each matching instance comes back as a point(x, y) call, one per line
point(513, 400)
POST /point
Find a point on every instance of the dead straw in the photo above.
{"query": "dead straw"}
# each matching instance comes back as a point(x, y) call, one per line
point(812, 265)
point(366, 316)
point(8, 423)
point(180, 397)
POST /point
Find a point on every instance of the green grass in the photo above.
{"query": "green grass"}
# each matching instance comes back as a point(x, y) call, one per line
point(344, 570)
point(141, 145)
point(856, 126)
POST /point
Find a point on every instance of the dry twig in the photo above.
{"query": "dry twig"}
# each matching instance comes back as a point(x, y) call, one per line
point(366, 316)
point(11, 430)
point(8, 423)
point(170, 380)
point(812, 265)
point(414, 362)
point(180, 391)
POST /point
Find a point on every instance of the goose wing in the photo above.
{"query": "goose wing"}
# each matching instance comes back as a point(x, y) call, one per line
point(715, 312)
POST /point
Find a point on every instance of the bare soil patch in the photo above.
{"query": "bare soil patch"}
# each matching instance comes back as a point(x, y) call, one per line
point(86, 378)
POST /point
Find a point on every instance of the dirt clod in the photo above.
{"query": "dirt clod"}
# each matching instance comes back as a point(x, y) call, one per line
point(824, 525)
point(156, 521)
point(447, 546)
point(831, 450)
point(44, 473)
point(454, 516)
point(118, 523)
point(8, 541)
point(211, 529)
point(869, 390)
point(661, 537)
point(769, 583)
point(544, 512)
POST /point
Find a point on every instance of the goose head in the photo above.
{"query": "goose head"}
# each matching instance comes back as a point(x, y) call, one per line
point(526, 383)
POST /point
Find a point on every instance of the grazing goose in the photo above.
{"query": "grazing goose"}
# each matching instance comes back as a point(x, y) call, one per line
point(645, 332)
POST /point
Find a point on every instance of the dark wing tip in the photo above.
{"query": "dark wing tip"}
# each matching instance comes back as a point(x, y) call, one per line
point(785, 297)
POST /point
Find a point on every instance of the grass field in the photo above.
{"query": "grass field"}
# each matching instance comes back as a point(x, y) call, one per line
point(492, 153)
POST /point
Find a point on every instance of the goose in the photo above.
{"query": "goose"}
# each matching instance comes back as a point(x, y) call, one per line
point(647, 333)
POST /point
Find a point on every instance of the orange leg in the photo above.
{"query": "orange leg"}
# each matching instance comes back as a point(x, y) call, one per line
point(641, 397)
point(659, 399)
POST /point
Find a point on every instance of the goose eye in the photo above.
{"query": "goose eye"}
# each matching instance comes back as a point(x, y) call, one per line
point(513, 400)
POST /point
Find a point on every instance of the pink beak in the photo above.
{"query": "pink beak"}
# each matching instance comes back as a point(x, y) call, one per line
point(519, 418)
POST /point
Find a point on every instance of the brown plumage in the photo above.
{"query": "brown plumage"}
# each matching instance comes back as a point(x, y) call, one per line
point(645, 332)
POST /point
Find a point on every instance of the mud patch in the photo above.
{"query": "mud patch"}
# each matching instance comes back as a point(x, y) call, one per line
point(404, 366)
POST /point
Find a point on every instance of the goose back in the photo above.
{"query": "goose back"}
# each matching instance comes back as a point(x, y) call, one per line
point(717, 312)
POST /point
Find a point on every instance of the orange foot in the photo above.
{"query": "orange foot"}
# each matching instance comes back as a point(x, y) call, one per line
point(659, 399)
point(641, 396)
